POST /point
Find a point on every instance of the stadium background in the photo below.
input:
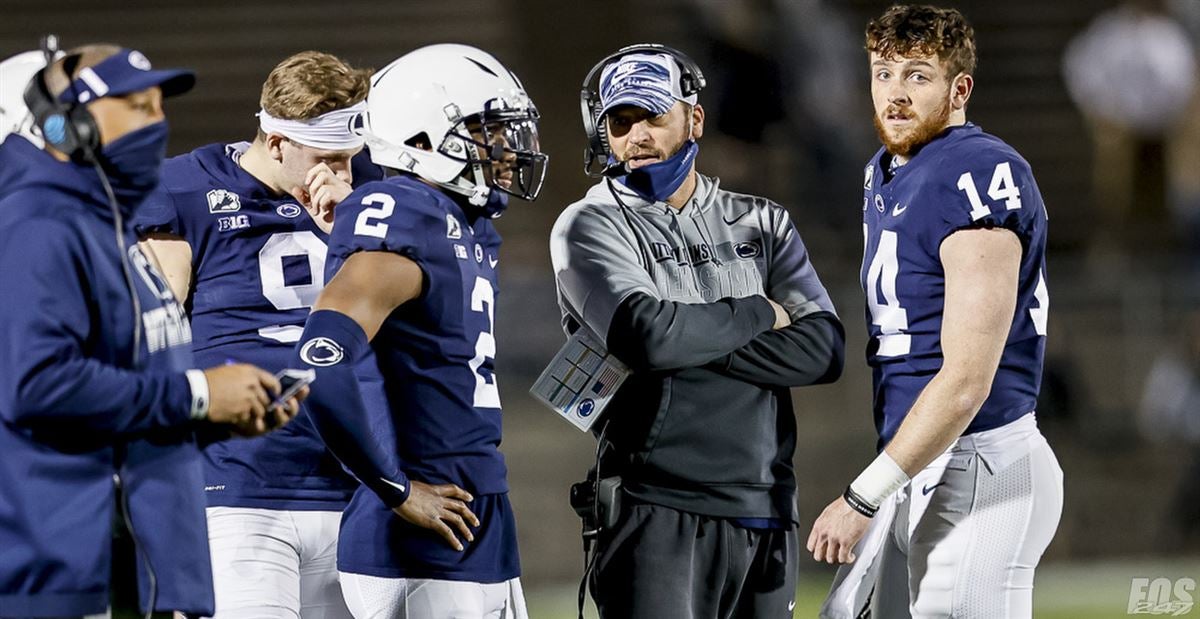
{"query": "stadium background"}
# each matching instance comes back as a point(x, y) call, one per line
point(789, 117)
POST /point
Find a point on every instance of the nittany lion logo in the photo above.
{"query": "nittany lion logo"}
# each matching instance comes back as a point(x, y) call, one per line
point(748, 249)
point(321, 352)
point(138, 61)
point(586, 407)
point(291, 211)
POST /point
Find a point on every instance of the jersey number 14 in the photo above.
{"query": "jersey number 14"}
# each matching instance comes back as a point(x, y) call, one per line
point(889, 315)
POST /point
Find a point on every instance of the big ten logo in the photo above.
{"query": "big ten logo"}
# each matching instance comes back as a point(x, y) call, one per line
point(1160, 596)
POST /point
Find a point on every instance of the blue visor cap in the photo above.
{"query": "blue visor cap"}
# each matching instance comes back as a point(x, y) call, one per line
point(122, 73)
point(649, 81)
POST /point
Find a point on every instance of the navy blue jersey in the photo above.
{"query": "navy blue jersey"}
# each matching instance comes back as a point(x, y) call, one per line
point(964, 178)
point(436, 356)
point(258, 264)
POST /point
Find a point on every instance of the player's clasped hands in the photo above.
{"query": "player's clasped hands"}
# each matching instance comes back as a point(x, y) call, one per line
point(323, 189)
point(441, 508)
point(241, 394)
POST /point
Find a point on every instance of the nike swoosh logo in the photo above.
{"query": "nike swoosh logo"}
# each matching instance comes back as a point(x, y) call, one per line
point(896, 210)
point(730, 222)
point(393, 484)
point(791, 605)
point(492, 261)
point(927, 489)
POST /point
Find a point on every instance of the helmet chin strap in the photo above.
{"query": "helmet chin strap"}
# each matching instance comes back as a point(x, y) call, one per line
point(476, 189)
point(477, 192)
point(479, 195)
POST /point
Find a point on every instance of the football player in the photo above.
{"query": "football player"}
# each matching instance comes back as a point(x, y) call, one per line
point(240, 230)
point(952, 517)
point(410, 301)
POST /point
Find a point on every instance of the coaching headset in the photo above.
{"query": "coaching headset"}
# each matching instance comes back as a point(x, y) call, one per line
point(597, 151)
point(68, 127)
point(71, 130)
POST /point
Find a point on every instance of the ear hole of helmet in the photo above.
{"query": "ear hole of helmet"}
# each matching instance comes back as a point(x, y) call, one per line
point(421, 141)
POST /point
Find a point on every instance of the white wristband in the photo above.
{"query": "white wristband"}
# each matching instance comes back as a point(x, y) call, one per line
point(199, 385)
point(879, 480)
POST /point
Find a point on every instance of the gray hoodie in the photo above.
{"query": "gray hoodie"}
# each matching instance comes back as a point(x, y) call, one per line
point(705, 423)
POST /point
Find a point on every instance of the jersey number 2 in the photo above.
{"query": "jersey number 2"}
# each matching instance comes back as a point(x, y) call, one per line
point(363, 226)
point(483, 299)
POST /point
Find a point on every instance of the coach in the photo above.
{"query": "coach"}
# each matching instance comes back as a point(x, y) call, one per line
point(95, 388)
point(710, 297)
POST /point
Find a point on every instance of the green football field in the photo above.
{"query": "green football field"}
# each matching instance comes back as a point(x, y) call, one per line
point(1062, 591)
point(1098, 590)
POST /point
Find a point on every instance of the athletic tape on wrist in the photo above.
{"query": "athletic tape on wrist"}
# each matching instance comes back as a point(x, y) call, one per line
point(878, 481)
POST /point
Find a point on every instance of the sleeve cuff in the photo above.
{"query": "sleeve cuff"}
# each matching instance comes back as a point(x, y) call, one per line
point(762, 311)
point(392, 493)
point(200, 400)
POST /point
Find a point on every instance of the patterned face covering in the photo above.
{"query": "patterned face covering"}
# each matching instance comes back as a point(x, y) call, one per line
point(657, 181)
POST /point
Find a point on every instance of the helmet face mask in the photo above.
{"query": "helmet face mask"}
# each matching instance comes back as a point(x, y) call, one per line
point(456, 117)
point(507, 135)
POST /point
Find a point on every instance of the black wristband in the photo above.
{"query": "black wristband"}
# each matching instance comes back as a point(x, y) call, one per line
point(858, 503)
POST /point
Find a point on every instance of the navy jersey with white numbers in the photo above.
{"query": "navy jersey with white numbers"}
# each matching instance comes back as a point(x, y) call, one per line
point(963, 179)
point(258, 264)
point(436, 355)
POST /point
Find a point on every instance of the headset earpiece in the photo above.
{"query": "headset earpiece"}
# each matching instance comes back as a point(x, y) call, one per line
point(597, 151)
point(67, 127)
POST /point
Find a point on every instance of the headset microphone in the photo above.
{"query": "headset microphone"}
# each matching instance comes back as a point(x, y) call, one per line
point(615, 169)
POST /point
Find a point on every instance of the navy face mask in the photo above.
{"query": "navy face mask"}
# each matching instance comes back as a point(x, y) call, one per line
point(657, 181)
point(133, 162)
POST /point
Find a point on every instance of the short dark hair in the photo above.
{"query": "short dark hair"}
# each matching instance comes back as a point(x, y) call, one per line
point(923, 30)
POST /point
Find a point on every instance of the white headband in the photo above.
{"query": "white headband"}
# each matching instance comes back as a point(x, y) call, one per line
point(329, 131)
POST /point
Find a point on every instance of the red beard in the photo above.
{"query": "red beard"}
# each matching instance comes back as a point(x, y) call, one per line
point(909, 142)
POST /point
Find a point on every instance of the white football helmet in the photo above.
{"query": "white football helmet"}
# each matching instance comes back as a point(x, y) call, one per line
point(436, 94)
point(15, 73)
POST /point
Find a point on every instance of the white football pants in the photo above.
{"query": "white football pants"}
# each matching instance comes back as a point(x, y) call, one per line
point(275, 564)
point(374, 597)
point(963, 538)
